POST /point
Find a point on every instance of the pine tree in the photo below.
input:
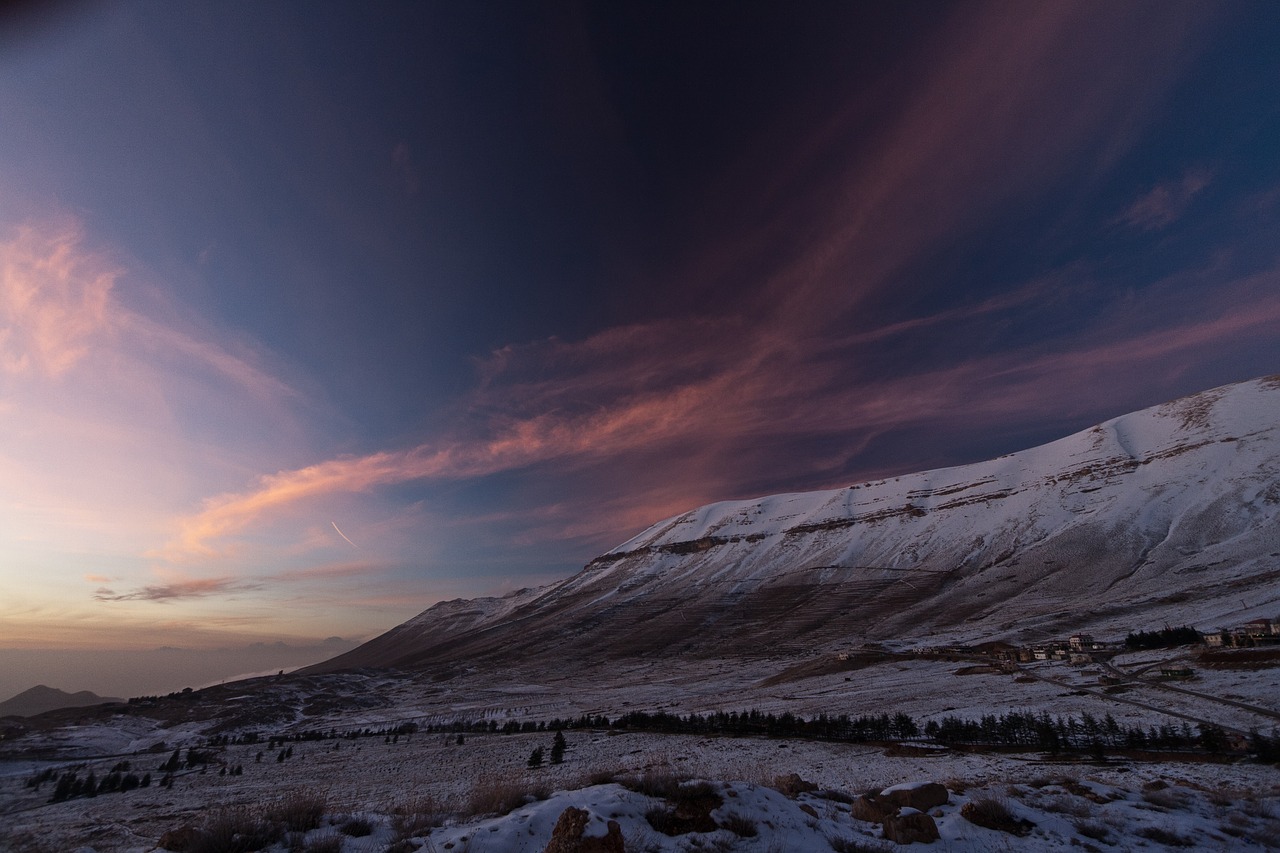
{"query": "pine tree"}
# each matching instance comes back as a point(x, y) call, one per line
point(557, 748)
point(535, 757)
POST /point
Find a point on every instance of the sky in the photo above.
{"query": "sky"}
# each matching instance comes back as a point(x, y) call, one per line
point(313, 314)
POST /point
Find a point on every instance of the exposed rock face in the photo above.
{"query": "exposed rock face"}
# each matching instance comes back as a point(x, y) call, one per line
point(1172, 513)
point(569, 835)
point(920, 796)
point(910, 826)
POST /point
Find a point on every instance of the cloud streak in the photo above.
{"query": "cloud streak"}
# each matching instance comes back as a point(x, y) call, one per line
point(343, 535)
point(178, 591)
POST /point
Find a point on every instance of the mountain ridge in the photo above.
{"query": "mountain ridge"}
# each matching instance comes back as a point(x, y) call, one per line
point(41, 698)
point(1166, 512)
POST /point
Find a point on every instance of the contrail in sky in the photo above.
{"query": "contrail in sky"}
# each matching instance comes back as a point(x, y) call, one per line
point(343, 535)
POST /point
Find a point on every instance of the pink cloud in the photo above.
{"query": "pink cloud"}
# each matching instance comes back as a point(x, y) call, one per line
point(55, 300)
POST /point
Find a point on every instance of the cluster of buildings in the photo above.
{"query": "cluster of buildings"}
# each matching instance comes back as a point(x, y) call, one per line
point(1257, 632)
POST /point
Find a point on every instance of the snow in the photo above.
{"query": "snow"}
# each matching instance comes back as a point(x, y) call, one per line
point(1196, 802)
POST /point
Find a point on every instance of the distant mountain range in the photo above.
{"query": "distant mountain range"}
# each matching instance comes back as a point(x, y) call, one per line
point(40, 698)
point(1164, 516)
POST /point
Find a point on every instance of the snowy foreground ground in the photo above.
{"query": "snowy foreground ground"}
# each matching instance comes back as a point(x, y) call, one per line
point(397, 791)
point(428, 792)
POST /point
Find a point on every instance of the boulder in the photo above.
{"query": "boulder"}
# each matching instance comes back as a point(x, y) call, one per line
point(569, 835)
point(872, 809)
point(917, 795)
point(909, 826)
point(792, 785)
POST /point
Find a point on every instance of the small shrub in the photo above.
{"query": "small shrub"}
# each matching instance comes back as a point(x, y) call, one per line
point(993, 813)
point(415, 817)
point(743, 827)
point(1164, 836)
point(234, 830)
point(688, 809)
point(689, 792)
point(500, 795)
point(356, 827)
point(299, 811)
point(659, 782)
point(1093, 829)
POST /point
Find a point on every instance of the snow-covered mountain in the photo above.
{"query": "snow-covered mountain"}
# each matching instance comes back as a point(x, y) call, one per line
point(1167, 515)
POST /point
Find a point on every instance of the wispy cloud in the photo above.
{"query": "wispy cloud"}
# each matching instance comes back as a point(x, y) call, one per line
point(1165, 203)
point(179, 590)
point(54, 301)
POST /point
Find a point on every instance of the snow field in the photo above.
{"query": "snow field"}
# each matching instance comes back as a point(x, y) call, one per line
point(393, 786)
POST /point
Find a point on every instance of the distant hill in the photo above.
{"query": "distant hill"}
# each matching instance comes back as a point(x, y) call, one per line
point(40, 698)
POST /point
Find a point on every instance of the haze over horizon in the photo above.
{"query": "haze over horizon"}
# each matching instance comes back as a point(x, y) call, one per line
point(311, 317)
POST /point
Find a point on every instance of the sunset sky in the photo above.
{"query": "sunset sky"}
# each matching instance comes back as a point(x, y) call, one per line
point(314, 314)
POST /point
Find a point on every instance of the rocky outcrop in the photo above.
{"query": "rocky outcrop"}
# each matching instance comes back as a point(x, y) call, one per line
point(910, 826)
point(921, 796)
point(569, 835)
point(872, 808)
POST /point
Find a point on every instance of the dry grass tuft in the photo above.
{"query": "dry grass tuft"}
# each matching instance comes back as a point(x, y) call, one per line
point(356, 827)
point(739, 825)
point(1093, 829)
point(656, 782)
point(416, 817)
point(234, 830)
point(500, 795)
point(1165, 836)
point(299, 811)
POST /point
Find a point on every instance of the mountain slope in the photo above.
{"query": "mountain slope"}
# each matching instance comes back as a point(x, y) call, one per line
point(40, 698)
point(1164, 515)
